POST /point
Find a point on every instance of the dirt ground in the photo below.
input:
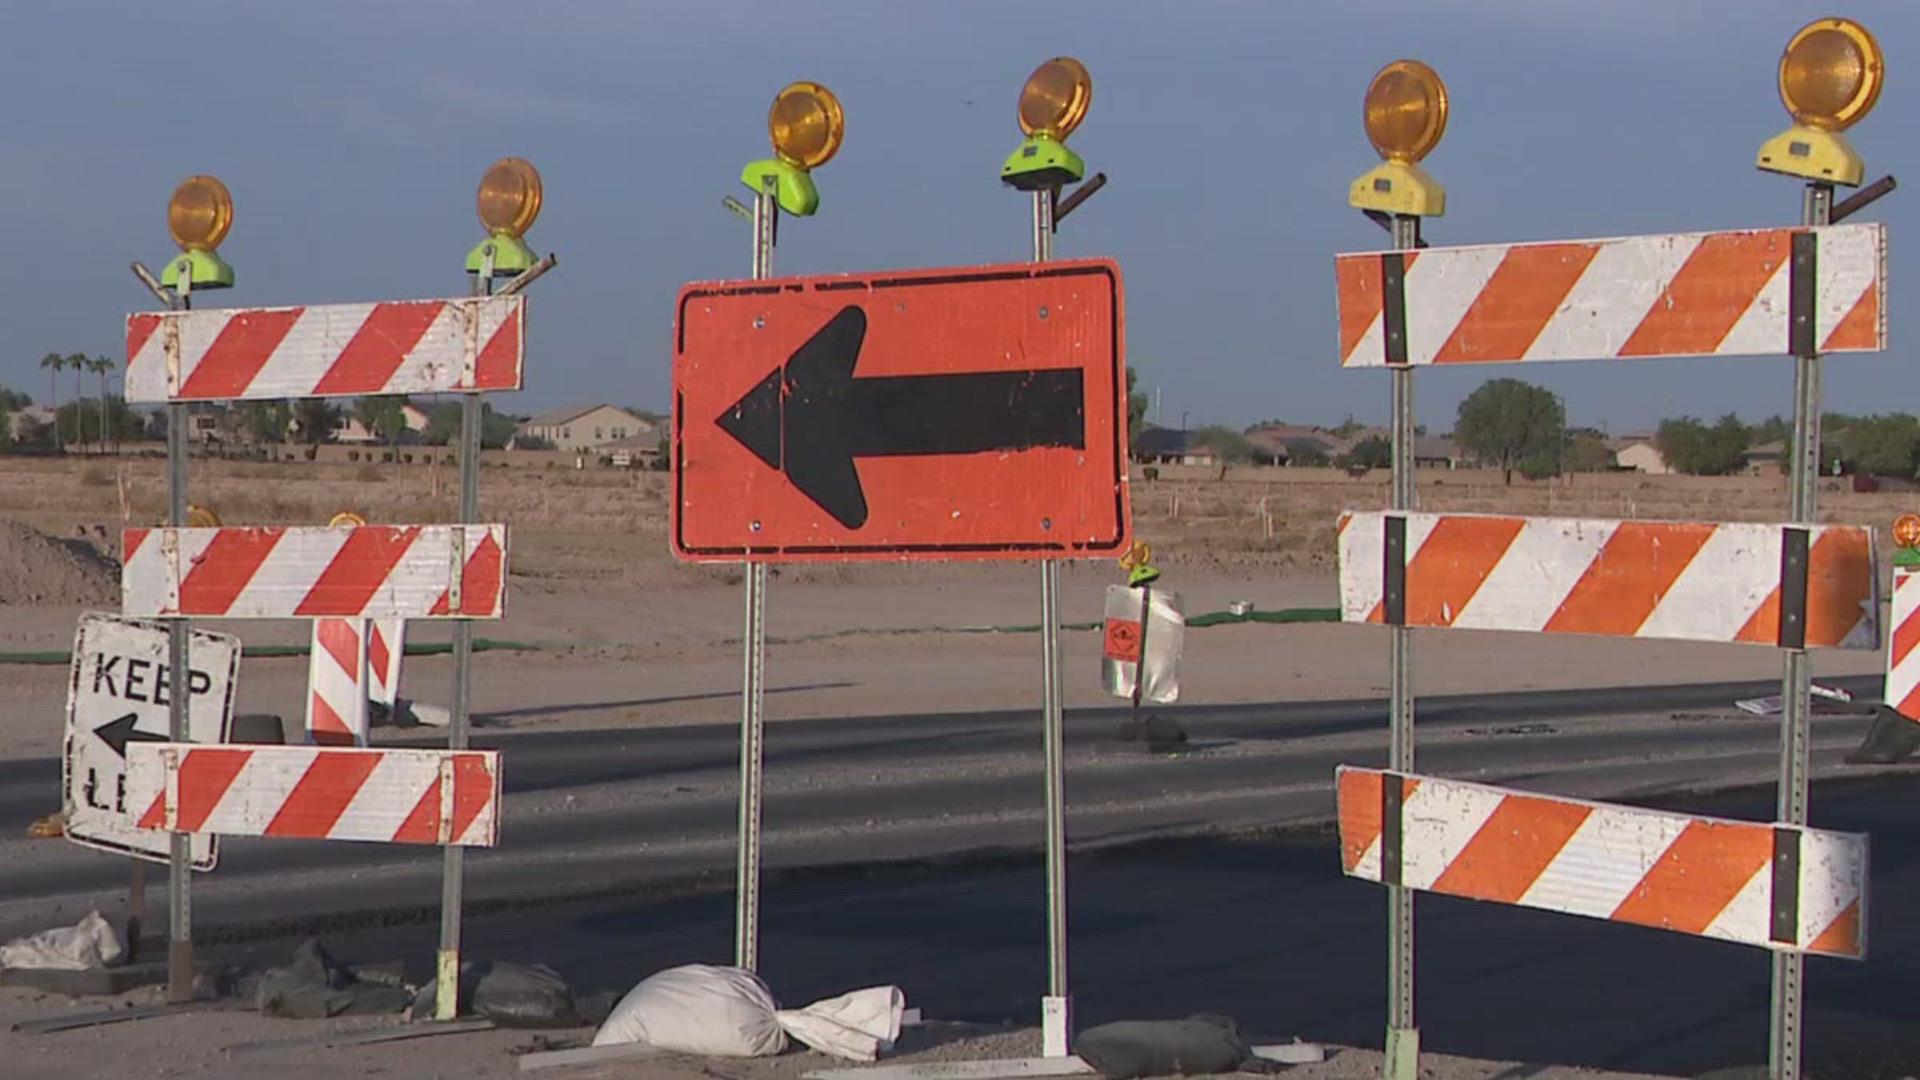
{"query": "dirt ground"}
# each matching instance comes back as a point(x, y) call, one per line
point(230, 1042)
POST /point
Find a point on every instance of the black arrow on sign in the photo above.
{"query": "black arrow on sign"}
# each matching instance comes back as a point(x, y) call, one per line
point(811, 418)
point(120, 732)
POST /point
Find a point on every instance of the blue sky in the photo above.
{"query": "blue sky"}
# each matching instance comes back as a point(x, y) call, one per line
point(352, 134)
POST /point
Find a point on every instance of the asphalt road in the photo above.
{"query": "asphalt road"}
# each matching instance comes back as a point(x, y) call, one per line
point(904, 849)
point(624, 812)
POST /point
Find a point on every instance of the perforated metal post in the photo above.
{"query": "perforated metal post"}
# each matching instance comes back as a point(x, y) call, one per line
point(753, 692)
point(1056, 1012)
point(446, 999)
point(1789, 968)
point(1403, 1035)
point(179, 845)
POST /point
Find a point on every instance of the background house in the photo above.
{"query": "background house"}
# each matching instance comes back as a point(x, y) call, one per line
point(348, 428)
point(1171, 446)
point(1638, 453)
point(585, 427)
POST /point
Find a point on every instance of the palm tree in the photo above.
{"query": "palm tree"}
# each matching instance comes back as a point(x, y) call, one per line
point(53, 364)
point(78, 362)
point(101, 366)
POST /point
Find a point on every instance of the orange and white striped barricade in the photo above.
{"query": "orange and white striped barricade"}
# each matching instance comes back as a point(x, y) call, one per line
point(1903, 659)
point(339, 678)
point(446, 797)
point(386, 647)
point(1777, 886)
point(1789, 586)
point(1685, 294)
point(365, 572)
point(327, 350)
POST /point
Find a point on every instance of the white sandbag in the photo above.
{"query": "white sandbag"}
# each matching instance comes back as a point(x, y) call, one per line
point(856, 1025)
point(729, 1012)
point(89, 944)
point(698, 1009)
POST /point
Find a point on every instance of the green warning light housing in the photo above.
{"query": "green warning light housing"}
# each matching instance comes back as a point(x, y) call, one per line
point(202, 270)
point(793, 186)
point(1042, 162)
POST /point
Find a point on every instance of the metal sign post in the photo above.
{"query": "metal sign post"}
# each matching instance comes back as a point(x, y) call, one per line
point(1789, 968)
point(453, 870)
point(753, 685)
point(1057, 1010)
point(1403, 1033)
point(180, 855)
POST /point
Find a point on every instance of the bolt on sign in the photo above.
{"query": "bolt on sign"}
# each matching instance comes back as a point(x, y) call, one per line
point(975, 413)
point(117, 698)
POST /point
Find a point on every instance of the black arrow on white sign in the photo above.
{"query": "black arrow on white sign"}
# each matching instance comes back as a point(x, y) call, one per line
point(121, 732)
point(811, 417)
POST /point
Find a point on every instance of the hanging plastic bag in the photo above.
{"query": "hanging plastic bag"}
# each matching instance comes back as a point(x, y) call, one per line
point(1134, 642)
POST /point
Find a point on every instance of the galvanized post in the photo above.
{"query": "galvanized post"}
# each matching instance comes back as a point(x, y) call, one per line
point(753, 691)
point(1789, 968)
point(179, 689)
point(1056, 1012)
point(1403, 1035)
point(446, 991)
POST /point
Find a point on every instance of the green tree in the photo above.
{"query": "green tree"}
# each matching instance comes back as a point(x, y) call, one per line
point(1347, 427)
point(1227, 444)
point(103, 366)
point(1587, 452)
point(1136, 406)
point(53, 364)
point(77, 363)
point(1882, 445)
point(111, 419)
point(1509, 421)
point(315, 417)
point(1692, 447)
point(6, 419)
point(266, 421)
point(1372, 452)
point(383, 416)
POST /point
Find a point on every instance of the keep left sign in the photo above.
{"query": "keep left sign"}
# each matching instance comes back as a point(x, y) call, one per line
point(118, 693)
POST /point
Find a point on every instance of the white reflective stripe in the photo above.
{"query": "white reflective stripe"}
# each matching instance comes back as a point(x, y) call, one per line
point(1439, 819)
point(311, 345)
point(1748, 917)
point(1764, 327)
point(433, 360)
point(1440, 290)
point(1850, 262)
point(258, 791)
point(1833, 876)
point(1731, 575)
point(1604, 861)
point(343, 691)
point(388, 795)
point(1539, 569)
point(1371, 349)
point(1612, 297)
point(1363, 555)
point(146, 376)
point(288, 573)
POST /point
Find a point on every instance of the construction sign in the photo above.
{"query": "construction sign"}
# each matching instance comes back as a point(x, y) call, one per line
point(117, 698)
point(973, 413)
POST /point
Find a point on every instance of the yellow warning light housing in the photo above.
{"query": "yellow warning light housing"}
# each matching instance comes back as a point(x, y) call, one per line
point(345, 519)
point(201, 517)
point(806, 125)
point(510, 196)
point(1405, 112)
point(508, 203)
point(1055, 98)
point(200, 213)
point(198, 216)
point(1906, 530)
point(1831, 74)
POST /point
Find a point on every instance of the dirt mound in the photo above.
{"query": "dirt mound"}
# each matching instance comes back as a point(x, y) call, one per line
point(39, 569)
